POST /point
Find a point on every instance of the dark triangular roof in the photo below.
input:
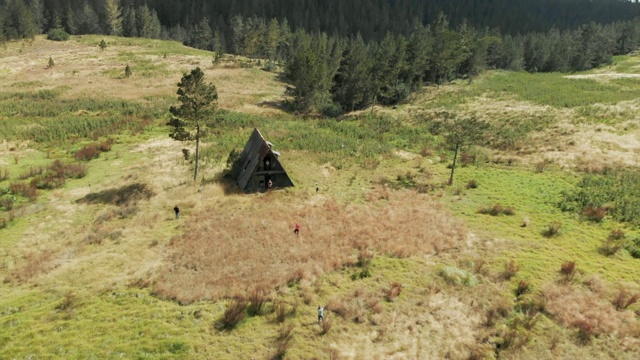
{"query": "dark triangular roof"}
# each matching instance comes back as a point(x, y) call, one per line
point(250, 171)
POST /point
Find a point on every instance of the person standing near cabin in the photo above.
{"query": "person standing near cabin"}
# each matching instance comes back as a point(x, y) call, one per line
point(177, 211)
point(296, 229)
point(269, 184)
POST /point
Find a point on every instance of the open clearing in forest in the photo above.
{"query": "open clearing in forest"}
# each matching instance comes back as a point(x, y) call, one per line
point(406, 266)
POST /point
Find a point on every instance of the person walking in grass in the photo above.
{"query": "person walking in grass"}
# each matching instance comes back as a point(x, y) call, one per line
point(320, 314)
point(177, 211)
point(296, 229)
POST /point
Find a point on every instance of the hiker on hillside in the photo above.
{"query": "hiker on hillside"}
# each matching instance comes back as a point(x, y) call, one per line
point(320, 314)
point(177, 211)
point(296, 229)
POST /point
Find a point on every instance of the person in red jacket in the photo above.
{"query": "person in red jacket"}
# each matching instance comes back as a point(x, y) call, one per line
point(296, 229)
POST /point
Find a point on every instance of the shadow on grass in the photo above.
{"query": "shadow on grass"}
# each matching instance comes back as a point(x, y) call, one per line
point(121, 196)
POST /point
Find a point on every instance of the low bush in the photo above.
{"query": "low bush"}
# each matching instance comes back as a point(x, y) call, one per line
point(47, 181)
point(472, 184)
point(257, 299)
point(393, 291)
point(24, 190)
point(58, 34)
point(524, 287)
point(586, 329)
point(510, 270)
point(93, 151)
point(568, 269)
point(69, 302)
point(496, 210)
point(613, 243)
point(623, 300)
point(633, 247)
point(234, 314)
point(467, 159)
point(595, 213)
point(6, 203)
point(552, 230)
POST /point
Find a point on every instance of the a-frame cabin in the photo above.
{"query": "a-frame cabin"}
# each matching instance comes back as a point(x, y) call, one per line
point(258, 167)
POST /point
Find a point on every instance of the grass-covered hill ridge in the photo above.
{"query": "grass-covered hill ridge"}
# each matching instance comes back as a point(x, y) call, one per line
point(529, 254)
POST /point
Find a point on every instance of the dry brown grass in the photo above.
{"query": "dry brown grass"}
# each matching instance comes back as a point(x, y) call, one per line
point(235, 246)
point(591, 313)
point(79, 67)
point(32, 264)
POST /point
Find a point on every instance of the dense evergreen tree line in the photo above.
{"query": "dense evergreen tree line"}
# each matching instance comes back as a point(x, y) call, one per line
point(372, 19)
point(343, 74)
point(374, 51)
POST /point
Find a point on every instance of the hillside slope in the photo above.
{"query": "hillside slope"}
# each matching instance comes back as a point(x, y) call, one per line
point(406, 266)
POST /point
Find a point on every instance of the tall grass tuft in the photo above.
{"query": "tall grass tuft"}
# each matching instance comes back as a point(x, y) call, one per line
point(524, 287)
point(257, 300)
point(552, 229)
point(326, 326)
point(4, 174)
point(613, 243)
point(623, 300)
point(511, 268)
point(285, 335)
point(567, 269)
point(393, 291)
point(497, 209)
point(281, 311)
point(234, 313)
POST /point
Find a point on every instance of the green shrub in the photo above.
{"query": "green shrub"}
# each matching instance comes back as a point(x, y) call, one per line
point(614, 192)
point(58, 34)
point(633, 247)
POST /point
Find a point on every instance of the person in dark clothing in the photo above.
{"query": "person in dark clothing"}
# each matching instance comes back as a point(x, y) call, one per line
point(177, 211)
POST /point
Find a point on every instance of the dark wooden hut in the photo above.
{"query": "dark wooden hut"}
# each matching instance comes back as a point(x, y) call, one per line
point(258, 167)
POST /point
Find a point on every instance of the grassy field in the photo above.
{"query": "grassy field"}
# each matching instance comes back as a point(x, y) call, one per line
point(94, 265)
